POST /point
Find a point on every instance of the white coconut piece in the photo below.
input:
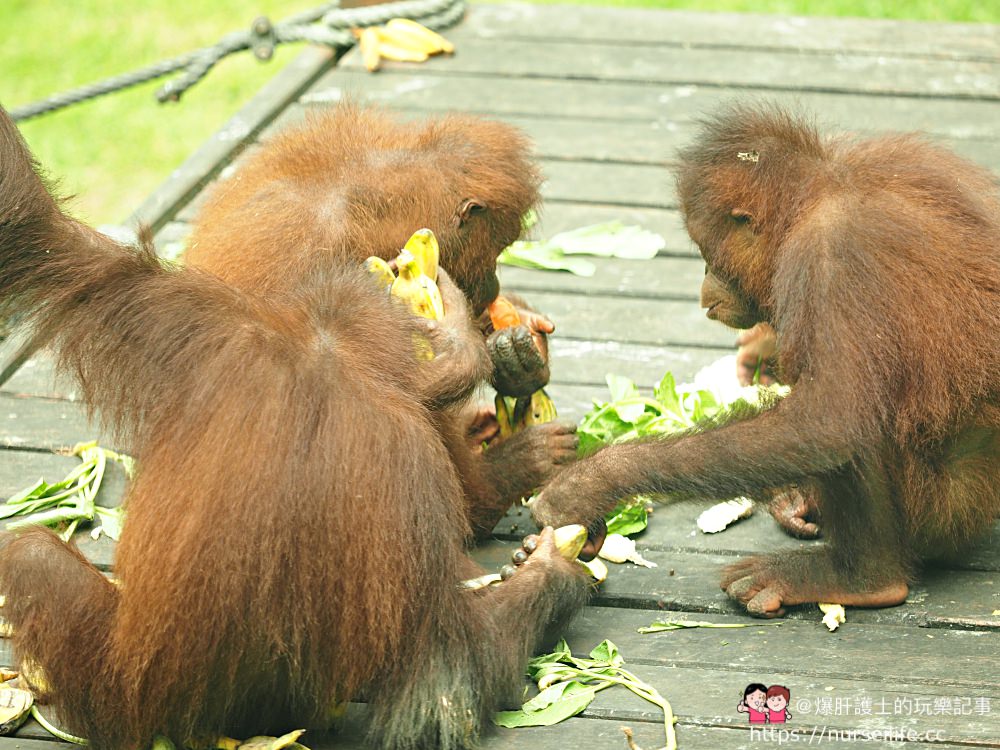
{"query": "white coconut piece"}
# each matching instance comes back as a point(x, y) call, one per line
point(721, 515)
point(833, 615)
point(620, 549)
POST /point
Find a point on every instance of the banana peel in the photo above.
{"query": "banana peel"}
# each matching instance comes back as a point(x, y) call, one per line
point(538, 408)
point(15, 708)
point(570, 539)
point(381, 272)
point(416, 289)
point(423, 246)
point(505, 414)
point(401, 40)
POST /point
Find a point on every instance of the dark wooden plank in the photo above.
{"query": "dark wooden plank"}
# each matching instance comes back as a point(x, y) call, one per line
point(188, 179)
point(555, 24)
point(586, 362)
point(688, 581)
point(960, 660)
point(658, 322)
point(667, 278)
point(639, 142)
point(38, 377)
point(673, 527)
point(600, 728)
point(29, 743)
point(676, 104)
point(559, 217)
point(44, 424)
point(769, 70)
point(632, 185)
point(596, 733)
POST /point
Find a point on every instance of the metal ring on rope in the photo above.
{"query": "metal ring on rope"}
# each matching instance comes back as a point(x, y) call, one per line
point(327, 24)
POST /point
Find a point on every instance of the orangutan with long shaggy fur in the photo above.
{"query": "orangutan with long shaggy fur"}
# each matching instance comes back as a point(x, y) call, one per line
point(877, 263)
point(297, 530)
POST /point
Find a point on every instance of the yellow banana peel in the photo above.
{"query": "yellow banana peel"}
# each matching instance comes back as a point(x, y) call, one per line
point(369, 43)
point(401, 40)
point(380, 271)
point(570, 540)
point(400, 54)
point(423, 246)
point(538, 408)
point(505, 415)
point(416, 289)
point(405, 28)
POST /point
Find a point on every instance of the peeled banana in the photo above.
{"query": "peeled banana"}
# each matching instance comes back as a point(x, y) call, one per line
point(423, 246)
point(416, 283)
point(416, 289)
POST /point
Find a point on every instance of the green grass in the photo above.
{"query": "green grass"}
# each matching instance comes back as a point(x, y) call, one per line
point(112, 152)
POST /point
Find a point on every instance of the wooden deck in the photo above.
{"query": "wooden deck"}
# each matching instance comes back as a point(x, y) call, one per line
point(608, 95)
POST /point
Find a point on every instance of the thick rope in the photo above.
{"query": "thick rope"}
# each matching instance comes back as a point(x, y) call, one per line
point(327, 24)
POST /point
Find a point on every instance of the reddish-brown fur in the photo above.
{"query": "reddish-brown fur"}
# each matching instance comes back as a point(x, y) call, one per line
point(296, 531)
point(352, 182)
point(878, 264)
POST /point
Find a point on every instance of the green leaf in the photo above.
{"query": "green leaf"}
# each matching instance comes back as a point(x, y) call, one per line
point(552, 694)
point(621, 387)
point(28, 493)
point(568, 705)
point(541, 256)
point(111, 520)
point(612, 239)
point(607, 652)
point(628, 517)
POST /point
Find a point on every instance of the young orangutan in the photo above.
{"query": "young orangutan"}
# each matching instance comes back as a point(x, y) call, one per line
point(351, 182)
point(877, 263)
point(295, 535)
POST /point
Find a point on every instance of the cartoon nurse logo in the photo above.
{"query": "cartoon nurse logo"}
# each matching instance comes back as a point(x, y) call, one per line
point(754, 703)
point(765, 705)
point(777, 704)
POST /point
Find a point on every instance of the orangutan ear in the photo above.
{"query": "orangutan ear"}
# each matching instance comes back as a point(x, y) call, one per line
point(742, 216)
point(469, 208)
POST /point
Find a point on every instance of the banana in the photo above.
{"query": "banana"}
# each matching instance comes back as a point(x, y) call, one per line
point(418, 291)
point(570, 540)
point(537, 408)
point(423, 245)
point(597, 569)
point(413, 30)
point(400, 54)
point(505, 415)
point(381, 271)
point(369, 43)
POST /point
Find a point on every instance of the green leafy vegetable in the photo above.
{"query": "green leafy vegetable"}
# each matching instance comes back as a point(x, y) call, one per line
point(629, 415)
point(567, 685)
point(629, 516)
point(65, 504)
point(610, 239)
